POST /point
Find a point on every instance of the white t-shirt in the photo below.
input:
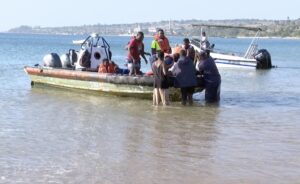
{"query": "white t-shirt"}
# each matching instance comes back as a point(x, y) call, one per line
point(203, 38)
point(175, 69)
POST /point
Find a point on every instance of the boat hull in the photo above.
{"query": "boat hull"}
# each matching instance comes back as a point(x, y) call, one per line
point(131, 86)
point(230, 61)
point(230, 64)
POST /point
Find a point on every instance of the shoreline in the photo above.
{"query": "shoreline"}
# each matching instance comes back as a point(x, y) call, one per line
point(128, 35)
point(270, 37)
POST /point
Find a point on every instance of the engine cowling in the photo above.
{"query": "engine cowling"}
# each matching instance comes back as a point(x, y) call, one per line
point(52, 60)
point(73, 56)
point(65, 61)
point(263, 59)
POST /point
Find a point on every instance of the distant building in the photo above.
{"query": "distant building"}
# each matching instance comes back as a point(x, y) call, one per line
point(152, 29)
point(137, 29)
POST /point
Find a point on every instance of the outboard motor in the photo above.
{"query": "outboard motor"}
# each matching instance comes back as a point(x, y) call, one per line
point(85, 59)
point(65, 60)
point(263, 59)
point(52, 60)
point(73, 56)
point(68, 60)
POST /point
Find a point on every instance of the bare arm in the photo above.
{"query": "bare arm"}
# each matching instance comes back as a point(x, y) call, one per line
point(144, 57)
point(143, 53)
point(164, 68)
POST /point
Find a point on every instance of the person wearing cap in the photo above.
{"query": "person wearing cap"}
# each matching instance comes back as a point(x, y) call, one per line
point(212, 78)
point(160, 43)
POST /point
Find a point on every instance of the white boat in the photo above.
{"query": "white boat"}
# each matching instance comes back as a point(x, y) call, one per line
point(253, 58)
point(78, 42)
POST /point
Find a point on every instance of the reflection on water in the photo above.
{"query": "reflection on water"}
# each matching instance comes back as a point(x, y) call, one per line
point(63, 136)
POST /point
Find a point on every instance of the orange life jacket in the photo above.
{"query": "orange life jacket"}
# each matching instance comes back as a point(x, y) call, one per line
point(177, 50)
point(163, 43)
point(110, 68)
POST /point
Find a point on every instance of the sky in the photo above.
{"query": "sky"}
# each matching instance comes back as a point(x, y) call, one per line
point(52, 13)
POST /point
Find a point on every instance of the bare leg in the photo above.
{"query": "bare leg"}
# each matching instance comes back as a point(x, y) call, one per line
point(164, 96)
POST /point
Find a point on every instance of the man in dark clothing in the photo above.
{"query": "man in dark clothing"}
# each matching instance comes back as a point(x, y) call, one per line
point(190, 51)
point(186, 78)
point(212, 77)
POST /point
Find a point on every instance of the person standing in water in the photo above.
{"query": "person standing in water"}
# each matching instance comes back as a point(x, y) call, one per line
point(161, 86)
point(212, 78)
point(186, 78)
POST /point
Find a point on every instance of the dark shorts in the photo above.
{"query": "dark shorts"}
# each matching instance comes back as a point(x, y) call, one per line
point(188, 90)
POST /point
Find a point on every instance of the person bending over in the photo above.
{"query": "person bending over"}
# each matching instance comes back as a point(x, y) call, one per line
point(186, 78)
point(212, 78)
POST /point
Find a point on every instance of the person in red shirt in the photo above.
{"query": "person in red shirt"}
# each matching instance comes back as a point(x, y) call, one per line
point(135, 50)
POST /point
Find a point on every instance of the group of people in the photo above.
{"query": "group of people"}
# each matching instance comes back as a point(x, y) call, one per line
point(180, 67)
point(187, 76)
point(183, 64)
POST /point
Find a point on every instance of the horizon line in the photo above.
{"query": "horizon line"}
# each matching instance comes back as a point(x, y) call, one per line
point(170, 20)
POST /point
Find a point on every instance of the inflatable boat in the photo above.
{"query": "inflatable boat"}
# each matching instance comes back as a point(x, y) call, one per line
point(78, 70)
point(122, 85)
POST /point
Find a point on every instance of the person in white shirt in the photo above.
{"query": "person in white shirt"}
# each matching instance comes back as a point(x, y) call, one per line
point(175, 69)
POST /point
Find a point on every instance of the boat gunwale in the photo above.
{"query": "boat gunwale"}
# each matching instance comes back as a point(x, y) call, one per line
point(90, 76)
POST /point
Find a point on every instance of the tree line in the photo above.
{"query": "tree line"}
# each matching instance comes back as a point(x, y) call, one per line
point(271, 28)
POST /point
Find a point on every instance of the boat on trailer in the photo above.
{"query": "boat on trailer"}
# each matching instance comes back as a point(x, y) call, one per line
point(253, 58)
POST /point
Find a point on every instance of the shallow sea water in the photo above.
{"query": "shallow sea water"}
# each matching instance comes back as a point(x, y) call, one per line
point(53, 135)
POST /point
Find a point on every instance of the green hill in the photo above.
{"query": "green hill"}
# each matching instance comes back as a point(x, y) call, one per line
point(271, 28)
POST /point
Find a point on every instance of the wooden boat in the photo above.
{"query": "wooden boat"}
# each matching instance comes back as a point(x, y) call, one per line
point(121, 85)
